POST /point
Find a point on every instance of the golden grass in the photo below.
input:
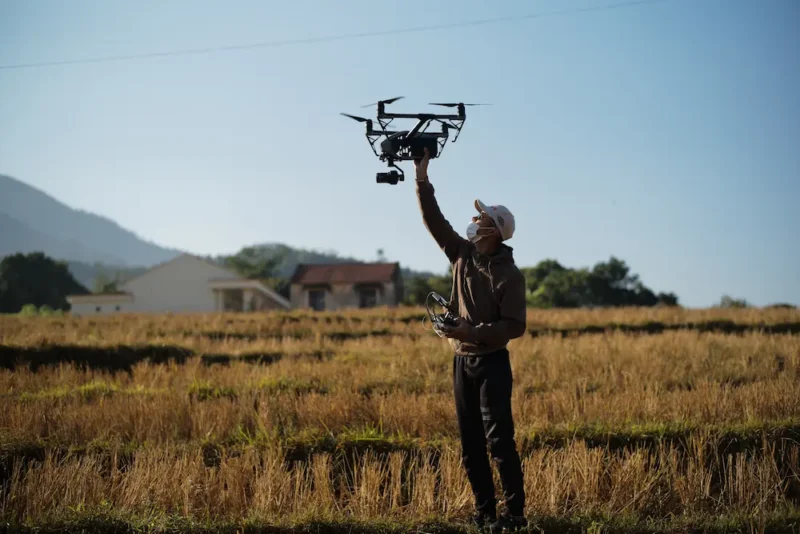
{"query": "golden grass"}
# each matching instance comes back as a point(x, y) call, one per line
point(129, 328)
point(148, 430)
point(258, 485)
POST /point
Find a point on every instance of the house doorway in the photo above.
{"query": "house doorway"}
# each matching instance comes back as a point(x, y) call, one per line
point(316, 299)
point(368, 297)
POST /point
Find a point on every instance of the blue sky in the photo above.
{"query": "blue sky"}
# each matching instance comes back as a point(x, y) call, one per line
point(665, 134)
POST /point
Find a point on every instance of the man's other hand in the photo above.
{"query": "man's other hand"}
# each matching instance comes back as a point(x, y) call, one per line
point(421, 166)
point(460, 332)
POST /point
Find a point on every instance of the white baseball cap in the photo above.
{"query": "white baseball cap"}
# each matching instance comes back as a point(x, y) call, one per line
point(501, 216)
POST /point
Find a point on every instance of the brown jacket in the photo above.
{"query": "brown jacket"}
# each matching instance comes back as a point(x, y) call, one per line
point(489, 291)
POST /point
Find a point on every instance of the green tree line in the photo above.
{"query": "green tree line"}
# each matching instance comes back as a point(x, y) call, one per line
point(36, 281)
point(552, 285)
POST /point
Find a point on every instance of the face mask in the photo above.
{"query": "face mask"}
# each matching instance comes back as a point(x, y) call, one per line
point(472, 232)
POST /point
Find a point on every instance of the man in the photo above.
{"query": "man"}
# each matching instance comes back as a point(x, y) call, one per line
point(489, 294)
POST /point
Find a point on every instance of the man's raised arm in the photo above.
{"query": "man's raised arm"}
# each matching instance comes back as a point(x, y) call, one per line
point(441, 230)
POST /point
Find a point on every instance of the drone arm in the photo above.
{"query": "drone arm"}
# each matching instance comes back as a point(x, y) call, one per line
point(420, 124)
point(441, 230)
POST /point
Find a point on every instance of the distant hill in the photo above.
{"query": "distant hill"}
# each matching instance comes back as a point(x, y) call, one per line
point(94, 246)
point(33, 220)
point(16, 236)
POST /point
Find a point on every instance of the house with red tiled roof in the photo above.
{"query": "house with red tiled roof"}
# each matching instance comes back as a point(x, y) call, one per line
point(334, 286)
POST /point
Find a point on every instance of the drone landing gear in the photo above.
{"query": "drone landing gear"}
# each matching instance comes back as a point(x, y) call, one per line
point(391, 177)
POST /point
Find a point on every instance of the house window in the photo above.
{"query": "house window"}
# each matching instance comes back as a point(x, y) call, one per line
point(316, 299)
point(233, 300)
point(368, 297)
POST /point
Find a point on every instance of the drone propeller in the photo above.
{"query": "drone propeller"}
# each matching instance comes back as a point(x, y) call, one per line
point(449, 105)
point(389, 101)
point(359, 119)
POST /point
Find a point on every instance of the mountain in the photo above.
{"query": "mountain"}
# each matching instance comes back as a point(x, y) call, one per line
point(17, 236)
point(33, 220)
point(96, 247)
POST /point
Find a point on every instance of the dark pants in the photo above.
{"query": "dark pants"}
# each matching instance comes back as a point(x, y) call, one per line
point(483, 405)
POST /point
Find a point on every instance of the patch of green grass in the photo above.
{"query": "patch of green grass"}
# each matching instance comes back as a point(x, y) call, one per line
point(203, 391)
point(294, 385)
point(88, 392)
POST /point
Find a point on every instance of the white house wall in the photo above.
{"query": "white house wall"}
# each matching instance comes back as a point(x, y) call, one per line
point(177, 286)
point(99, 308)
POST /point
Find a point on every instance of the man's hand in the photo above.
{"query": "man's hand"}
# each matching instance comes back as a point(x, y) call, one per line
point(421, 166)
point(462, 332)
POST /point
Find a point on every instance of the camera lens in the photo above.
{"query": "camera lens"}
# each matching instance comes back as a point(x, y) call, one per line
point(387, 177)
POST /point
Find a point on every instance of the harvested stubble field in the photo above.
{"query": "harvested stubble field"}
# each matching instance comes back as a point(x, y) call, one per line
point(656, 420)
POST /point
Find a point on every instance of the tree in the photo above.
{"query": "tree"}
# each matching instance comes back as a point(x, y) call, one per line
point(38, 280)
point(280, 285)
point(104, 284)
point(535, 276)
point(418, 288)
point(250, 262)
point(565, 288)
point(729, 302)
point(668, 299)
point(256, 263)
point(610, 283)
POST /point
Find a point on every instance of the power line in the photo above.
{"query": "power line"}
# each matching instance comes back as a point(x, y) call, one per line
point(324, 39)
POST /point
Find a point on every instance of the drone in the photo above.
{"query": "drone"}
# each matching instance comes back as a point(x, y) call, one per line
point(407, 145)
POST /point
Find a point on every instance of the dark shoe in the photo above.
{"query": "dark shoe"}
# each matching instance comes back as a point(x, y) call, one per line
point(482, 521)
point(509, 523)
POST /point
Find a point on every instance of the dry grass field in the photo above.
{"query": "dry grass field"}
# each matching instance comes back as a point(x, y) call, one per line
point(657, 420)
